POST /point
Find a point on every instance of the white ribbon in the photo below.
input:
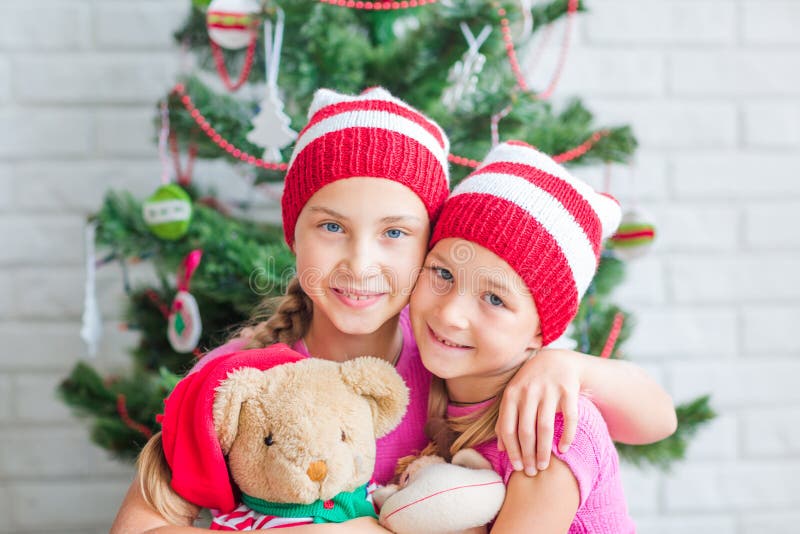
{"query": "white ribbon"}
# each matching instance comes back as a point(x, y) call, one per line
point(162, 144)
point(527, 19)
point(272, 49)
point(92, 324)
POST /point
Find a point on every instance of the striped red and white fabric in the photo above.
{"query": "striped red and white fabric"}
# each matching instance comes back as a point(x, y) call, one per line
point(545, 223)
point(370, 135)
point(244, 518)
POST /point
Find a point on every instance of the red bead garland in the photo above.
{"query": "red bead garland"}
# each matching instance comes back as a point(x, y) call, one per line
point(219, 60)
point(464, 162)
point(581, 149)
point(505, 28)
point(378, 6)
point(122, 410)
point(611, 341)
point(225, 145)
point(220, 141)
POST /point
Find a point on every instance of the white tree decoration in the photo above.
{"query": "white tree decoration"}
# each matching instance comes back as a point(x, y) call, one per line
point(271, 126)
point(463, 76)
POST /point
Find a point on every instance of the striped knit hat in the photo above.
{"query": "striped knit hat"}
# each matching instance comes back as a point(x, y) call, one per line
point(370, 135)
point(545, 223)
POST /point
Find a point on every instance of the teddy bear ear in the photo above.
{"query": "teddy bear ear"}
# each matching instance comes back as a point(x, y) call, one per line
point(378, 381)
point(241, 385)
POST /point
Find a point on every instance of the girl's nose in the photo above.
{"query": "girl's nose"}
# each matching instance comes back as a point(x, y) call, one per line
point(363, 260)
point(453, 310)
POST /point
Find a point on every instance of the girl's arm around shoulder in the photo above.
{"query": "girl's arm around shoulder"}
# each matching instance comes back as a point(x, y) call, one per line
point(635, 407)
point(545, 504)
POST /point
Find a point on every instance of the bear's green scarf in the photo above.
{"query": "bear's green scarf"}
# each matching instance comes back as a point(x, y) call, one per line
point(346, 506)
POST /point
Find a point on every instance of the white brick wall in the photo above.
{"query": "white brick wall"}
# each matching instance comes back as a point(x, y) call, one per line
point(711, 89)
point(713, 95)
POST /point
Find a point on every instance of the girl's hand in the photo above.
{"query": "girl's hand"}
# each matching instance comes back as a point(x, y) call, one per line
point(547, 383)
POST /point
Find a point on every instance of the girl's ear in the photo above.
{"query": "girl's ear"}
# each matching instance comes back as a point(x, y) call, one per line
point(536, 341)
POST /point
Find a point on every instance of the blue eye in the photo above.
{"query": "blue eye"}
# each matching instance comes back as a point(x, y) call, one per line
point(394, 233)
point(332, 227)
point(493, 299)
point(444, 274)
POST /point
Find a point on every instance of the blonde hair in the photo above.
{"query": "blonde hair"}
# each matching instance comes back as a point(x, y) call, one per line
point(451, 434)
point(154, 482)
point(279, 319)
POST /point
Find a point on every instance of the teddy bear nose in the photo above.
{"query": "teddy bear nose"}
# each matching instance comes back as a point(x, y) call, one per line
point(317, 470)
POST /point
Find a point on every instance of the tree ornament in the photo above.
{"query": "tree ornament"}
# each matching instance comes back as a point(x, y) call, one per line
point(201, 5)
point(92, 324)
point(463, 76)
point(231, 23)
point(635, 235)
point(271, 126)
point(168, 212)
point(184, 323)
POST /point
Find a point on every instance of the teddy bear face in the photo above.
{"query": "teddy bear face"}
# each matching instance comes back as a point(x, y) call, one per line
point(305, 432)
point(304, 447)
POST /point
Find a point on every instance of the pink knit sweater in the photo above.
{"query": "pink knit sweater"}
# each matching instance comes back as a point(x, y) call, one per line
point(594, 463)
point(409, 436)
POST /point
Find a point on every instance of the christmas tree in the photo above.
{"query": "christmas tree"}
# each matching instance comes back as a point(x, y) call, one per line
point(456, 61)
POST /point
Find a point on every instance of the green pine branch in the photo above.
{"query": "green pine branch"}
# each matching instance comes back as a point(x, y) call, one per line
point(96, 398)
point(346, 50)
point(663, 454)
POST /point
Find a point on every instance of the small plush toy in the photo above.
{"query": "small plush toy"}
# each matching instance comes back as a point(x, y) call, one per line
point(436, 497)
point(291, 438)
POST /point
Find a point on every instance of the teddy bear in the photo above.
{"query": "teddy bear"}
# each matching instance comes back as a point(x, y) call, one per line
point(436, 497)
point(289, 439)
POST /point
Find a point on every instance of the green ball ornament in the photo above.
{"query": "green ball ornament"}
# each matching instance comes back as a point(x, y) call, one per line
point(168, 212)
point(634, 237)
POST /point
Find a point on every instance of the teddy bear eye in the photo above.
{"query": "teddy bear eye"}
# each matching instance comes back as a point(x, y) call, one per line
point(344, 436)
point(268, 440)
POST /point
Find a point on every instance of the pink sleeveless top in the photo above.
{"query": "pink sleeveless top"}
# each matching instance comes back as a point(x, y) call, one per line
point(409, 436)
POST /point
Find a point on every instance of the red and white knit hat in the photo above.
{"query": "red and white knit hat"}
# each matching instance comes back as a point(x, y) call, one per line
point(370, 135)
point(545, 223)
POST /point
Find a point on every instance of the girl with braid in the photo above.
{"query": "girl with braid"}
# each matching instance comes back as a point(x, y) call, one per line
point(367, 178)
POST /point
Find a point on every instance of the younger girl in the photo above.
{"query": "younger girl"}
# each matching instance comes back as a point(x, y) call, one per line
point(367, 177)
point(514, 251)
